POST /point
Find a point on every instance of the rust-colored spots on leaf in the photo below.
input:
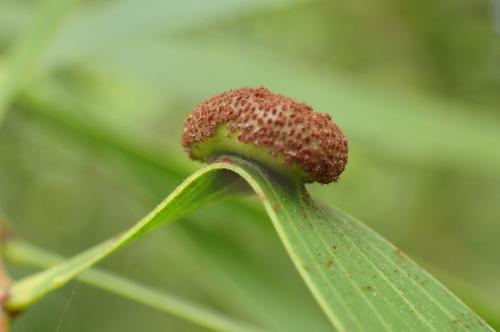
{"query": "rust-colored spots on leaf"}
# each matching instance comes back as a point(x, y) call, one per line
point(262, 197)
point(276, 207)
point(329, 263)
point(423, 282)
point(226, 159)
point(367, 288)
point(401, 257)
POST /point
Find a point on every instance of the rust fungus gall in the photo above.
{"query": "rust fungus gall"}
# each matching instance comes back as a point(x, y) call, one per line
point(268, 127)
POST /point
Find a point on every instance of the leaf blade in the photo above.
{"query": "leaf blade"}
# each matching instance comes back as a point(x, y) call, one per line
point(311, 233)
point(361, 292)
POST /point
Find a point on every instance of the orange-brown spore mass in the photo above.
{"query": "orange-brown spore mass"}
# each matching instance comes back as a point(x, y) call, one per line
point(276, 122)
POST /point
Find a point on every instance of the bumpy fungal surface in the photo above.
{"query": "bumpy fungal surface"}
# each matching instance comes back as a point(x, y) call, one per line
point(271, 128)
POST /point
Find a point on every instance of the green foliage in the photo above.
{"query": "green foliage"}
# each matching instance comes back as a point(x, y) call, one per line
point(25, 54)
point(95, 111)
point(360, 281)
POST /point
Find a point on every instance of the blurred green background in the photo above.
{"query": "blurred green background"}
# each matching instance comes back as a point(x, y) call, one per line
point(95, 94)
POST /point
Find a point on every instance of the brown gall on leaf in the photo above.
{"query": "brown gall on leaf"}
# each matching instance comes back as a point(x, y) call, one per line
point(288, 130)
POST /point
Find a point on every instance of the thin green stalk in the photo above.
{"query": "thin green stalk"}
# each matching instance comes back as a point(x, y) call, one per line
point(24, 253)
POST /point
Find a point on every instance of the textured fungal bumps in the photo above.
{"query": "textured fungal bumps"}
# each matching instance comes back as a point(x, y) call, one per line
point(270, 128)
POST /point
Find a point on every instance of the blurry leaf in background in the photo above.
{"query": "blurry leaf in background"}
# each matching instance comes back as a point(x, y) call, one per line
point(123, 23)
point(23, 58)
point(23, 253)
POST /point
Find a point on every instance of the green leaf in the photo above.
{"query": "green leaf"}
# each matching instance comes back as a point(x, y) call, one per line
point(25, 54)
point(361, 281)
point(24, 253)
